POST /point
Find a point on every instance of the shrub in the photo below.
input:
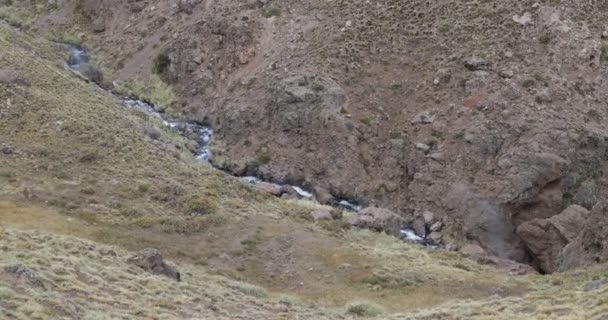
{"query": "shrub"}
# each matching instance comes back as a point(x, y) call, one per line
point(161, 63)
point(365, 310)
point(146, 221)
point(6, 293)
point(88, 190)
point(263, 156)
point(272, 12)
point(201, 205)
point(252, 290)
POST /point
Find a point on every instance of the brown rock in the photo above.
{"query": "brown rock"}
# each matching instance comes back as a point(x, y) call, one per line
point(99, 25)
point(289, 190)
point(545, 238)
point(419, 226)
point(428, 217)
point(591, 245)
point(437, 226)
point(91, 72)
point(323, 196)
point(485, 223)
point(477, 253)
point(472, 250)
point(321, 214)
point(152, 261)
point(378, 219)
point(288, 196)
point(152, 132)
point(268, 187)
point(435, 236)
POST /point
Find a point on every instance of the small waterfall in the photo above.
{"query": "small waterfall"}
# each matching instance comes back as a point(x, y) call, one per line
point(201, 134)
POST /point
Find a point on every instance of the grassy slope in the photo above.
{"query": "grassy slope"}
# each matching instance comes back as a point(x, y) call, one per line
point(76, 150)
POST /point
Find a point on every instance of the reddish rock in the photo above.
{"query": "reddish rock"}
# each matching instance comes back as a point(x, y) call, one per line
point(546, 238)
point(378, 219)
point(270, 188)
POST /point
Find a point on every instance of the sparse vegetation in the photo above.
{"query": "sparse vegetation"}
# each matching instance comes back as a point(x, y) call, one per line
point(274, 11)
point(83, 168)
point(263, 156)
point(365, 310)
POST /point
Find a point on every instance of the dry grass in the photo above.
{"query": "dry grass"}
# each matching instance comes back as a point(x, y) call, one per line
point(79, 152)
point(99, 284)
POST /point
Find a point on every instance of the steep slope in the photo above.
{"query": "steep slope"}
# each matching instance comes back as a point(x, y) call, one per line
point(76, 163)
point(398, 103)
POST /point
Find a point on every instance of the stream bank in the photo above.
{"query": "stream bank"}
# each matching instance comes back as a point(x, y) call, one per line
point(79, 62)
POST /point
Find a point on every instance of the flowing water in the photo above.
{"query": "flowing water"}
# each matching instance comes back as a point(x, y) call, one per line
point(203, 135)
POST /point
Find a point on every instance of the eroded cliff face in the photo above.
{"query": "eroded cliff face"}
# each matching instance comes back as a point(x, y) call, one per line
point(399, 104)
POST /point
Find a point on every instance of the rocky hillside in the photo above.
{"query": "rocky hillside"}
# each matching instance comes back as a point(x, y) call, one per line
point(476, 126)
point(402, 104)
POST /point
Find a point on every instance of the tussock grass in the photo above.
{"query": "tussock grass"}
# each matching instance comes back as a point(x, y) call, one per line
point(365, 310)
point(79, 151)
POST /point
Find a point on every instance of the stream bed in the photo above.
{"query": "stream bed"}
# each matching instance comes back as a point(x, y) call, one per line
point(203, 135)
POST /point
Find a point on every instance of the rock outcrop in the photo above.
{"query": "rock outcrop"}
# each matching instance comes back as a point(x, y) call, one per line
point(591, 246)
point(378, 219)
point(485, 223)
point(477, 253)
point(546, 238)
point(152, 261)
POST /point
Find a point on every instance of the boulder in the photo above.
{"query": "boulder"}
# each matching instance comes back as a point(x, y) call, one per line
point(270, 188)
point(485, 223)
point(321, 214)
point(323, 196)
point(442, 76)
point(424, 117)
point(152, 132)
point(476, 64)
point(295, 89)
point(437, 226)
point(419, 226)
point(536, 188)
point(378, 219)
point(546, 238)
point(99, 25)
point(591, 245)
point(152, 261)
point(428, 217)
point(587, 194)
point(435, 236)
point(289, 190)
point(477, 253)
point(91, 73)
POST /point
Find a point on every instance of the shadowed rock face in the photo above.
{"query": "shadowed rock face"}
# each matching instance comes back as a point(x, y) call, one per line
point(545, 238)
point(591, 246)
point(485, 223)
